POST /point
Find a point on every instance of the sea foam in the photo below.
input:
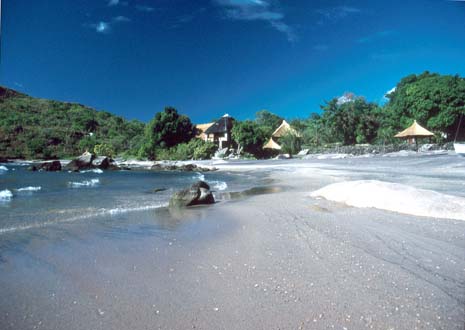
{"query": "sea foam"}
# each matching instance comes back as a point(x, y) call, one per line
point(394, 197)
point(95, 170)
point(5, 195)
point(89, 215)
point(219, 185)
point(3, 168)
point(29, 189)
point(85, 183)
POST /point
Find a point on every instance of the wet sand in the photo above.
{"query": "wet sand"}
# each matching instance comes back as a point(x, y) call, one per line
point(275, 259)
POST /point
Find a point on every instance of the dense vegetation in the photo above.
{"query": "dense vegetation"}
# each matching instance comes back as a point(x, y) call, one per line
point(37, 128)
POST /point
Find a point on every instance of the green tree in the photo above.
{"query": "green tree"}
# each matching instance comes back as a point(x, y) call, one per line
point(434, 100)
point(351, 122)
point(166, 130)
point(291, 143)
point(249, 136)
point(268, 121)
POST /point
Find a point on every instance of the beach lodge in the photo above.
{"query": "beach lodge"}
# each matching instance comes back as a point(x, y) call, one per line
point(218, 132)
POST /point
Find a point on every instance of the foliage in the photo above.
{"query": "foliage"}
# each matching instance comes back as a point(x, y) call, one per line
point(291, 143)
point(104, 150)
point(268, 121)
point(250, 136)
point(196, 149)
point(165, 130)
point(434, 100)
point(39, 128)
point(351, 122)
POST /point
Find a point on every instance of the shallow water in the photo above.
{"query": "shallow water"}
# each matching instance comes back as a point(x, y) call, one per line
point(39, 199)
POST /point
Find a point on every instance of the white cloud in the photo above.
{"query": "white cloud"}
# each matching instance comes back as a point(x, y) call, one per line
point(105, 27)
point(346, 98)
point(389, 92)
point(121, 19)
point(144, 8)
point(257, 10)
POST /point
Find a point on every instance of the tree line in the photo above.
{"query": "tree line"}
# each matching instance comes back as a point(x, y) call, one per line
point(37, 128)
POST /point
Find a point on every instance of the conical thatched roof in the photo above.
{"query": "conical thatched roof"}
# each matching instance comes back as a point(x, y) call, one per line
point(283, 129)
point(271, 144)
point(414, 131)
point(222, 125)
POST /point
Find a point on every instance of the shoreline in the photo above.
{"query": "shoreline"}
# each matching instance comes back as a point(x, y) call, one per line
point(278, 260)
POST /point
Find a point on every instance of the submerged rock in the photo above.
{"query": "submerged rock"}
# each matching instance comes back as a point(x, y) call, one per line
point(181, 168)
point(52, 166)
point(198, 193)
point(32, 168)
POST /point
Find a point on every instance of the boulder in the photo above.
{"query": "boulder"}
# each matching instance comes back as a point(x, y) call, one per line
point(4, 160)
point(32, 168)
point(83, 162)
point(102, 162)
point(187, 167)
point(197, 194)
point(52, 166)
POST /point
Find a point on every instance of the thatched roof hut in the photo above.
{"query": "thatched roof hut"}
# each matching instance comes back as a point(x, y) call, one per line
point(283, 129)
point(201, 128)
point(271, 144)
point(222, 125)
point(414, 131)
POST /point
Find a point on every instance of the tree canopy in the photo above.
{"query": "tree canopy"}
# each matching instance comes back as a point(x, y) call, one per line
point(435, 101)
point(167, 129)
point(39, 128)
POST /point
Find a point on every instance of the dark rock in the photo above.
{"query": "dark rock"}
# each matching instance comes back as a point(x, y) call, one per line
point(156, 167)
point(187, 167)
point(102, 162)
point(4, 160)
point(158, 190)
point(198, 193)
point(83, 162)
point(32, 168)
point(52, 166)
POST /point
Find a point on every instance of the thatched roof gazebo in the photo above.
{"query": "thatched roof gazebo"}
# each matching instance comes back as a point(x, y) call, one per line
point(413, 132)
point(271, 144)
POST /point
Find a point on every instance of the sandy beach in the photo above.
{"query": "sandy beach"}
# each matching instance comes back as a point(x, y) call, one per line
point(275, 258)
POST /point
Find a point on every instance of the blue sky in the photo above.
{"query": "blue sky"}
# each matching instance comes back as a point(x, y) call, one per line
point(210, 57)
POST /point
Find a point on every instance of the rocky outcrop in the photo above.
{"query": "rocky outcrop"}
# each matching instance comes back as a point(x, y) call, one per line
point(83, 162)
point(197, 194)
point(52, 166)
point(105, 163)
point(181, 168)
point(4, 160)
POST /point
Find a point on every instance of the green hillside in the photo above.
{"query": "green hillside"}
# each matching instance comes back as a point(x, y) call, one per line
point(40, 128)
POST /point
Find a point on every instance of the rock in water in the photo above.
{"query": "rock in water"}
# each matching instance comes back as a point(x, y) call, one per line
point(52, 166)
point(83, 162)
point(198, 193)
point(102, 162)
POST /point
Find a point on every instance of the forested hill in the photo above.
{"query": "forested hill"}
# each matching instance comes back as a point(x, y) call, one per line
point(40, 128)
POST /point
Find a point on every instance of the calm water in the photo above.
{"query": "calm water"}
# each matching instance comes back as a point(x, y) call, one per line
point(30, 200)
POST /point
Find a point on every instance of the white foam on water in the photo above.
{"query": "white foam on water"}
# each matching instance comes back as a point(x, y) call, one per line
point(29, 189)
point(394, 197)
point(5, 195)
point(3, 168)
point(85, 183)
point(219, 185)
point(96, 213)
point(95, 170)
point(199, 176)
